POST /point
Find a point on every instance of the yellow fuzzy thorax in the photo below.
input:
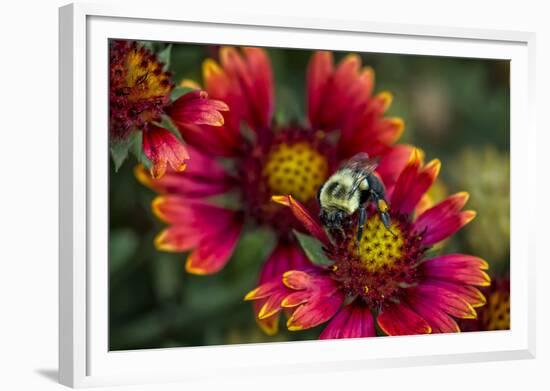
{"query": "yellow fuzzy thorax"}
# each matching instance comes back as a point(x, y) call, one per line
point(345, 202)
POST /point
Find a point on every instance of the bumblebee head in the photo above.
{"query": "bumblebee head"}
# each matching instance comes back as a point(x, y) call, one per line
point(332, 218)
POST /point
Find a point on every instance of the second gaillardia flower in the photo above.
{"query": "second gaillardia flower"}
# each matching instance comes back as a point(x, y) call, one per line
point(262, 158)
point(390, 279)
point(140, 98)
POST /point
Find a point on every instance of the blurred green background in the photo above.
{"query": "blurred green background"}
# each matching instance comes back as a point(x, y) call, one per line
point(454, 109)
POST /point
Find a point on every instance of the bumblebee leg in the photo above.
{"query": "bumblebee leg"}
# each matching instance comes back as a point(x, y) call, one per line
point(387, 221)
point(382, 207)
point(361, 225)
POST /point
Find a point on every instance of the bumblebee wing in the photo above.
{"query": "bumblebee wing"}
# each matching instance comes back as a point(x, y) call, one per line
point(361, 163)
point(362, 166)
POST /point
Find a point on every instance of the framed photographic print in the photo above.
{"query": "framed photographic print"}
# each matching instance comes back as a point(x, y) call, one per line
point(269, 194)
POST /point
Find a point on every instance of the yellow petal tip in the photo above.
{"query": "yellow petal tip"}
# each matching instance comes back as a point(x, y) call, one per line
point(161, 245)
point(210, 68)
point(141, 174)
point(155, 206)
point(269, 328)
point(281, 199)
point(188, 83)
point(469, 215)
point(189, 268)
point(435, 166)
point(251, 295)
point(387, 98)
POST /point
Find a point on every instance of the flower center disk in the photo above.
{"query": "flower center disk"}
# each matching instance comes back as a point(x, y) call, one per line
point(497, 313)
point(379, 247)
point(145, 77)
point(297, 169)
point(139, 88)
point(383, 264)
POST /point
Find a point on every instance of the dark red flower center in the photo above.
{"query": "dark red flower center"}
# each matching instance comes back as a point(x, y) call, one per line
point(139, 88)
point(383, 264)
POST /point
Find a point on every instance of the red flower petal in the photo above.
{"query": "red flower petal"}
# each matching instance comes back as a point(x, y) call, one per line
point(269, 325)
point(319, 71)
point(297, 279)
point(200, 121)
point(216, 80)
point(264, 290)
point(295, 299)
point(213, 251)
point(367, 130)
point(392, 163)
point(343, 95)
point(285, 256)
point(318, 299)
point(245, 84)
point(333, 329)
point(203, 177)
point(195, 108)
point(259, 67)
point(213, 140)
point(413, 182)
point(438, 320)
point(458, 268)
point(162, 148)
point(210, 230)
point(425, 203)
point(444, 299)
point(175, 209)
point(372, 134)
point(469, 294)
point(318, 309)
point(352, 321)
point(400, 319)
point(271, 306)
point(305, 218)
point(342, 99)
point(444, 219)
point(178, 238)
point(385, 132)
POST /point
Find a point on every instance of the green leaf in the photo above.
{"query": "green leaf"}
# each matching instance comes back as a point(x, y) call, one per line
point(147, 45)
point(166, 123)
point(137, 150)
point(313, 249)
point(167, 276)
point(120, 149)
point(179, 92)
point(230, 200)
point(123, 244)
point(164, 56)
point(289, 108)
point(255, 244)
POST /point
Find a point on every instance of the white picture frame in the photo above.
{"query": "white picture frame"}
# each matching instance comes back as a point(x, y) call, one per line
point(83, 335)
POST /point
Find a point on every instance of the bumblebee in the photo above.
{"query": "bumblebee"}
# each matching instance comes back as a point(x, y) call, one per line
point(349, 189)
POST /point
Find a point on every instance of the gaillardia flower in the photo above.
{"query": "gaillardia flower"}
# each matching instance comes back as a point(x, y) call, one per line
point(496, 314)
point(486, 171)
point(139, 95)
point(389, 279)
point(262, 158)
